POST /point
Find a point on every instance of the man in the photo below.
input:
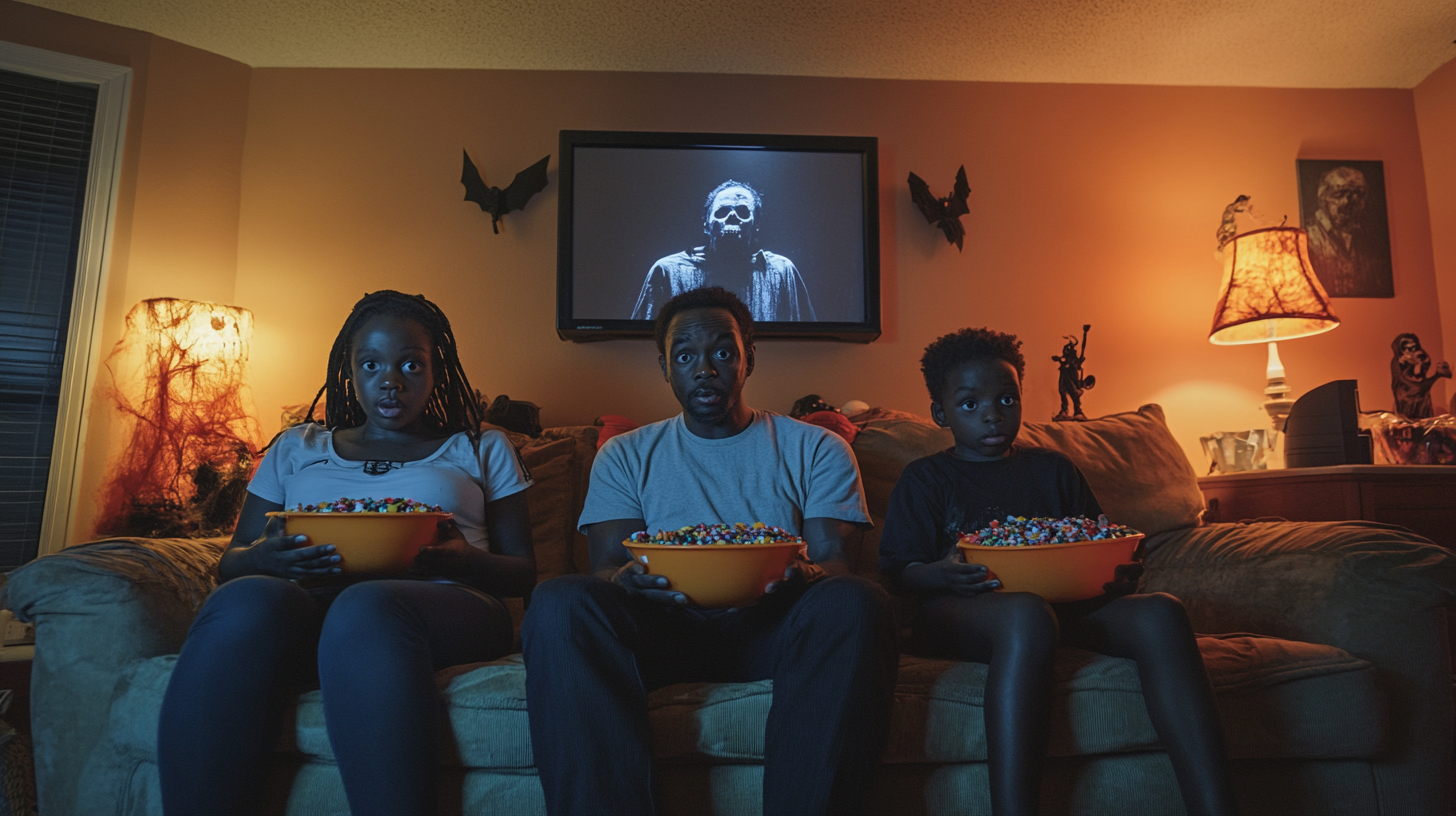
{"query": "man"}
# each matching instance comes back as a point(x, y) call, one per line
point(767, 282)
point(596, 645)
point(1340, 243)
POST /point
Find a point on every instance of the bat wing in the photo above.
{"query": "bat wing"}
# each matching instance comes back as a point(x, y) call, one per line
point(924, 199)
point(475, 189)
point(956, 205)
point(527, 183)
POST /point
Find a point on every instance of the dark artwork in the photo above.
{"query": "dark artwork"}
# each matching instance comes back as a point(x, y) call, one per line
point(1412, 375)
point(496, 201)
point(514, 415)
point(1070, 381)
point(944, 213)
point(767, 282)
point(1342, 207)
point(787, 243)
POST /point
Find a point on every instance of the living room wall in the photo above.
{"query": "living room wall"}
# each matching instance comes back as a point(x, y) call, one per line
point(175, 223)
point(293, 191)
point(1090, 204)
point(1435, 101)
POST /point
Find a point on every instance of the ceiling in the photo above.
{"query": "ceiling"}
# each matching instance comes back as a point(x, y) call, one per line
point(1269, 43)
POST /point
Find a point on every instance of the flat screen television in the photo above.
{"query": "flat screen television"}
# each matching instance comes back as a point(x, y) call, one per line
point(789, 223)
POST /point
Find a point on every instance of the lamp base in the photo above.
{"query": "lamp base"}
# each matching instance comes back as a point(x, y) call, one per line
point(1278, 404)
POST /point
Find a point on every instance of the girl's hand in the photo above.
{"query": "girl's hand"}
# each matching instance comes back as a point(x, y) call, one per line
point(277, 554)
point(448, 555)
point(964, 579)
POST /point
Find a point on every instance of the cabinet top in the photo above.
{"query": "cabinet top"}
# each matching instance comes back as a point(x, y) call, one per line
point(1337, 473)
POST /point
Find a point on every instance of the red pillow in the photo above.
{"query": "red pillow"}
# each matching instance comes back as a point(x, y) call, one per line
point(611, 425)
point(833, 421)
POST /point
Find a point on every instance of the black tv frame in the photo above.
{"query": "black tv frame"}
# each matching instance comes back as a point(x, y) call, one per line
point(582, 330)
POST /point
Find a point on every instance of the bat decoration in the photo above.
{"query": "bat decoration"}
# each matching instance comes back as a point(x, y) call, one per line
point(944, 212)
point(496, 201)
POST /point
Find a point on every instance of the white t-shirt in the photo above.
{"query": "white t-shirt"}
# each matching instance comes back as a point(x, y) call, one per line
point(779, 471)
point(302, 467)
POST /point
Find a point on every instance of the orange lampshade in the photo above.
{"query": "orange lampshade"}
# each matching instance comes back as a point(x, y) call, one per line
point(1270, 291)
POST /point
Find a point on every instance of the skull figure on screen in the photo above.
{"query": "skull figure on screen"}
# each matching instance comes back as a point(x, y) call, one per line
point(731, 217)
point(768, 283)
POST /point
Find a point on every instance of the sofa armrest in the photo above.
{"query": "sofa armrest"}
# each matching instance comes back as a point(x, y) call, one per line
point(1377, 591)
point(97, 607)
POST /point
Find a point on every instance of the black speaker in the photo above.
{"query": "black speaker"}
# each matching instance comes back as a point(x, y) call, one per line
point(1323, 428)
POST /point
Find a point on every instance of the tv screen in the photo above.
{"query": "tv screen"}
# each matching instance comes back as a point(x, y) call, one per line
point(788, 223)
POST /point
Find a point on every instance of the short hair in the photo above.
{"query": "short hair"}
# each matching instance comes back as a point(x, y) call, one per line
point(453, 405)
point(964, 346)
point(708, 205)
point(708, 297)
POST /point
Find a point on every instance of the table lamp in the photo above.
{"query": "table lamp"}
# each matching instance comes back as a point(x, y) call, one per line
point(1270, 293)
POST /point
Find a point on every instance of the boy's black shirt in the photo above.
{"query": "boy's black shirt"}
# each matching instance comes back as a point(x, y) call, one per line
point(940, 496)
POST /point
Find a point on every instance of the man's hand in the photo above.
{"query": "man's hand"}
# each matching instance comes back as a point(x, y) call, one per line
point(634, 578)
point(797, 576)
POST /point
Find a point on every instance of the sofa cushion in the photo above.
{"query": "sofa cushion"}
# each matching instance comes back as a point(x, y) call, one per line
point(1278, 699)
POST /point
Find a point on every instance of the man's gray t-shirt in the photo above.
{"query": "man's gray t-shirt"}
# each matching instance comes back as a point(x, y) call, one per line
point(778, 471)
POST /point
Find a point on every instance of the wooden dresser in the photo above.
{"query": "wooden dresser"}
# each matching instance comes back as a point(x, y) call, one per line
point(1421, 498)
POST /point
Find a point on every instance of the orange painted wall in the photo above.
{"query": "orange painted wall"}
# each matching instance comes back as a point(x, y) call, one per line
point(294, 191)
point(175, 228)
point(1436, 111)
point(1090, 204)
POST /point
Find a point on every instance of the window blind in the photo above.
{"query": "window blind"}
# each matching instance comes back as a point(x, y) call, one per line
point(45, 151)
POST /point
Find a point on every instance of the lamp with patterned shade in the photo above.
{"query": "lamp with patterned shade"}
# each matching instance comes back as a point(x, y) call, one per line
point(1270, 293)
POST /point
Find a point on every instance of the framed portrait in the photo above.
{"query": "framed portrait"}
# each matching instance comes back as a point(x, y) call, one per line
point(1342, 207)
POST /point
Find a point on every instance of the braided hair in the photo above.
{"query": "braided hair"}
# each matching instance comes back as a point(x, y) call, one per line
point(453, 405)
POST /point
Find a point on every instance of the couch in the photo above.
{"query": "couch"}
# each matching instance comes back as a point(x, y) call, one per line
point(1326, 644)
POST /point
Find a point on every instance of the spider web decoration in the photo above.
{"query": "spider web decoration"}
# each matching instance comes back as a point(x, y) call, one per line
point(179, 380)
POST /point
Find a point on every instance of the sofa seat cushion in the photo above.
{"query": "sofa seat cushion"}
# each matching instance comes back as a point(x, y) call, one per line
point(1278, 698)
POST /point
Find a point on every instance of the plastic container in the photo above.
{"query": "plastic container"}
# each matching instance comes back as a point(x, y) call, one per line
point(1074, 571)
point(717, 575)
point(369, 543)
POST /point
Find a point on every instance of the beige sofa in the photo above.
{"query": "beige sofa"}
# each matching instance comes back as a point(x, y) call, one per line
point(1339, 702)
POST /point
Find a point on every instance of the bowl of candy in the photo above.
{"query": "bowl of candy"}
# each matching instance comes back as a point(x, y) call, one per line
point(722, 565)
point(371, 536)
point(1059, 559)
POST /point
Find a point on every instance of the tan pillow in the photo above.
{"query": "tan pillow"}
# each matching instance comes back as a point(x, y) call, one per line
point(1136, 468)
point(1133, 463)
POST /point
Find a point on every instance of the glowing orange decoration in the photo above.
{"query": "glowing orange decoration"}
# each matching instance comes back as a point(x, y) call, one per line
point(1270, 293)
point(180, 374)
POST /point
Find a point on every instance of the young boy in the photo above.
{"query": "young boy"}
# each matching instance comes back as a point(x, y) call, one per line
point(974, 380)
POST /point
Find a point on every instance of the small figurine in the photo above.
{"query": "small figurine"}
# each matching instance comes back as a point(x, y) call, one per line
point(1228, 228)
point(1070, 381)
point(1412, 375)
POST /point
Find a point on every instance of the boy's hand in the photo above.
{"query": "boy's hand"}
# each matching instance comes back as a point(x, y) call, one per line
point(964, 579)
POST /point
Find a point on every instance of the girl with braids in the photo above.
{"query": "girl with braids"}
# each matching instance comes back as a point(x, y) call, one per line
point(401, 420)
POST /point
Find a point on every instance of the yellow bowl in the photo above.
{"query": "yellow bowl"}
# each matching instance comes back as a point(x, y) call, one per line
point(1057, 572)
point(369, 543)
point(717, 575)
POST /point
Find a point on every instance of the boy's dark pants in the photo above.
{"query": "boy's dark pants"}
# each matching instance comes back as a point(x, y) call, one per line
point(593, 652)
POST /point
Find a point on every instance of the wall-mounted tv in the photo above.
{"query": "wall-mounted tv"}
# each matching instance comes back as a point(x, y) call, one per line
point(790, 223)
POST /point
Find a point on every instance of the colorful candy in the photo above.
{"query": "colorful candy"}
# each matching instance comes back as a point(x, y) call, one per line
point(1019, 531)
point(717, 534)
point(389, 505)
